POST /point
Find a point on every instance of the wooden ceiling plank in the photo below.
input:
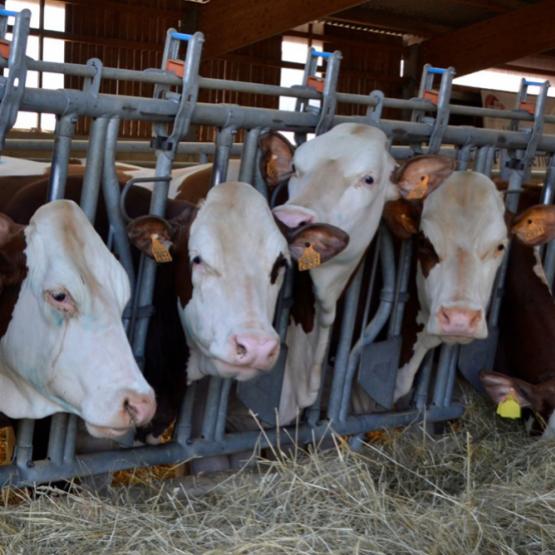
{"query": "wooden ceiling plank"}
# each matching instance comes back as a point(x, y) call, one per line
point(495, 41)
point(383, 20)
point(228, 27)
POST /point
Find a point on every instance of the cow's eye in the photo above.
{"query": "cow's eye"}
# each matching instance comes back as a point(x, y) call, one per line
point(368, 179)
point(500, 247)
point(61, 300)
point(197, 260)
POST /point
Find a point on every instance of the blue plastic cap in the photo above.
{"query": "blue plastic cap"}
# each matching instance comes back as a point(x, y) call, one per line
point(317, 54)
point(181, 36)
point(7, 13)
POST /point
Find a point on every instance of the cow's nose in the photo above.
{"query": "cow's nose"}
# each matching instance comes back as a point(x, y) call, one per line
point(458, 321)
point(257, 351)
point(140, 407)
point(294, 216)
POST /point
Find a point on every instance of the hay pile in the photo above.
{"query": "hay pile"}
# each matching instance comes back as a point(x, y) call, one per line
point(483, 488)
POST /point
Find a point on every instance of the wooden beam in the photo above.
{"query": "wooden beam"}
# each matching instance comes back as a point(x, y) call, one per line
point(232, 25)
point(392, 22)
point(494, 41)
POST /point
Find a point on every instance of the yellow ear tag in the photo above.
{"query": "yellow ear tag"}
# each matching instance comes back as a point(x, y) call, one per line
point(509, 407)
point(309, 259)
point(159, 251)
point(420, 190)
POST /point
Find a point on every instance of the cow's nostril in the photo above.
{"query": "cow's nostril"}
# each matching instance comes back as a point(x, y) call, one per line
point(241, 350)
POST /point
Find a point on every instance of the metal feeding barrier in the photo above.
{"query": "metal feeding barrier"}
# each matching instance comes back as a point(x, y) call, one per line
point(370, 358)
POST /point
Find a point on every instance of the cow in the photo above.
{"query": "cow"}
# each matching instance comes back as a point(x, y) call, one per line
point(527, 321)
point(461, 237)
point(220, 289)
point(343, 178)
point(63, 346)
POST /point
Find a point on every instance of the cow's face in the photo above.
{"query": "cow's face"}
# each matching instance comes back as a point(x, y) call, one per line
point(230, 259)
point(64, 347)
point(460, 246)
point(340, 178)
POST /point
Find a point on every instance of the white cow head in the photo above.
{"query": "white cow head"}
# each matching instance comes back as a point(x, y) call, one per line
point(229, 257)
point(342, 178)
point(461, 238)
point(63, 346)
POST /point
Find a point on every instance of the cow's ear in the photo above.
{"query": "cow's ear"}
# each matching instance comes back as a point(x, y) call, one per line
point(402, 218)
point(327, 240)
point(276, 162)
point(420, 175)
point(500, 386)
point(147, 232)
point(536, 225)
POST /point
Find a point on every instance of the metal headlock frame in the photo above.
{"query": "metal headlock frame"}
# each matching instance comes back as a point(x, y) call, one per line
point(370, 361)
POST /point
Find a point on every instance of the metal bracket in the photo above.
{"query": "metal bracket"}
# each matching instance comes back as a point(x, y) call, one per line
point(374, 113)
point(91, 85)
point(13, 86)
point(189, 72)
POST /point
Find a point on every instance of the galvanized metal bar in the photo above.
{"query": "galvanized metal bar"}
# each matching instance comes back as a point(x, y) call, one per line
point(224, 140)
point(420, 398)
point(212, 407)
point(451, 374)
point(93, 169)
point(387, 298)
point(56, 439)
point(184, 423)
point(344, 344)
point(480, 163)
point(24, 443)
point(248, 156)
point(464, 155)
point(65, 127)
point(446, 356)
point(219, 430)
point(111, 192)
point(401, 289)
point(70, 439)
point(172, 453)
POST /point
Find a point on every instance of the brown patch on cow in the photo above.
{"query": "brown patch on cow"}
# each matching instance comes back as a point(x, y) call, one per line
point(280, 262)
point(195, 186)
point(13, 270)
point(359, 130)
point(303, 310)
point(427, 255)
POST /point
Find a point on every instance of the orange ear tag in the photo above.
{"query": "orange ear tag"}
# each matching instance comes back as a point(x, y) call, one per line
point(309, 259)
point(420, 190)
point(159, 251)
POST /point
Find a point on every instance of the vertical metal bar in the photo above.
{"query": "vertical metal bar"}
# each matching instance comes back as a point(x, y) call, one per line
point(423, 381)
point(65, 128)
point(451, 373)
point(57, 438)
point(24, 443)
point(401, 289)
point(344, 344)
point(248, 156)
point(481, 159)
point(221, 420)
point(463, 156)
point(446, 355)
point(93, 170)
point(212, 407)
point(71, 434)
point(224, 142)
point(184, 424)
point(111, 191)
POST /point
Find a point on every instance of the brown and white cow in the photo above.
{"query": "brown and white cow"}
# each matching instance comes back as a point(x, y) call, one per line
point(343, 178)
point(63, 346)
point(461, 239)
point(526, 348)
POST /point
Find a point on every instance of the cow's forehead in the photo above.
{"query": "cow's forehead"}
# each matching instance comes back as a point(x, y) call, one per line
point(235, 220)
point(466, 207)
point(356, 146)
point(64, 249)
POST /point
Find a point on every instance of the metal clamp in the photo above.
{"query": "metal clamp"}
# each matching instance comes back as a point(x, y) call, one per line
point(374, 113)
point(188, 70)
point(13, 86)
point(91, 85)
point(127, 188)
point(326, 87)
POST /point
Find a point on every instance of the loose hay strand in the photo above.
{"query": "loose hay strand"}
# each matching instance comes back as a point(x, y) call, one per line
point(484, 487)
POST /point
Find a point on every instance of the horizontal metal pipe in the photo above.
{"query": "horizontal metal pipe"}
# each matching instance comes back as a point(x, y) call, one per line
point(132, 108)
point(173, 453)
